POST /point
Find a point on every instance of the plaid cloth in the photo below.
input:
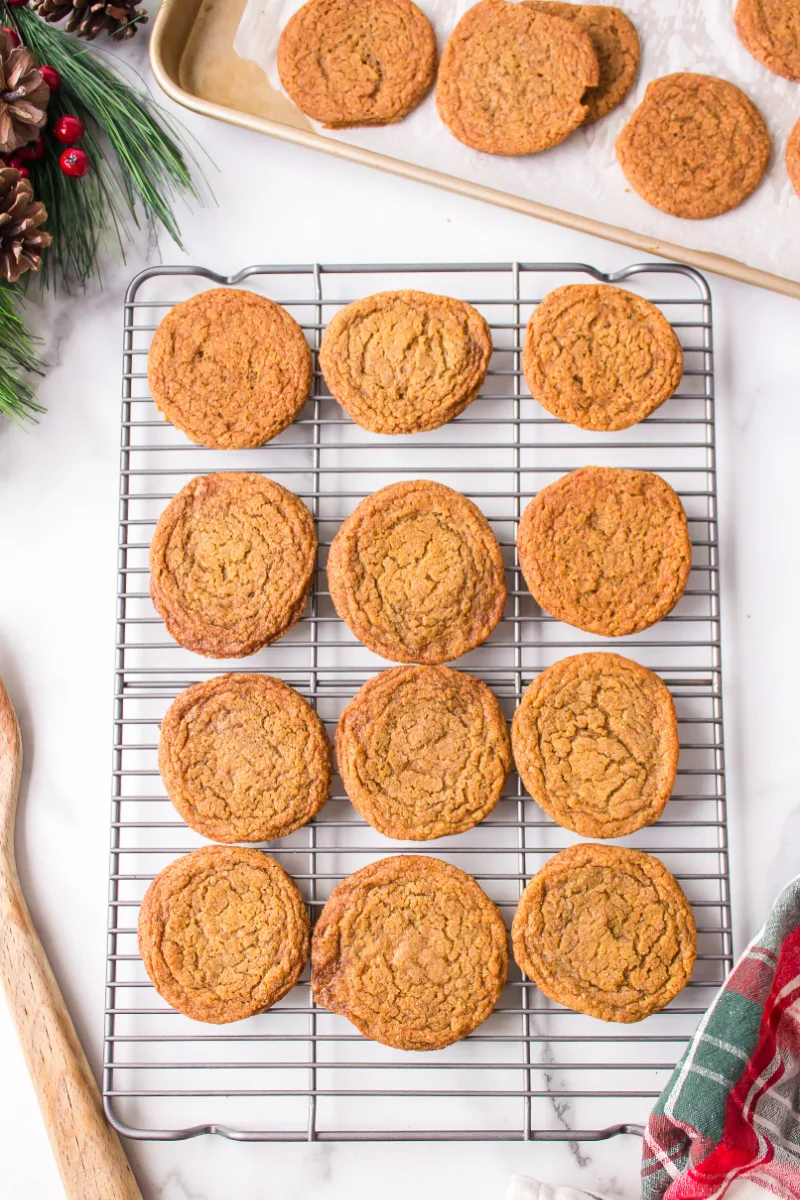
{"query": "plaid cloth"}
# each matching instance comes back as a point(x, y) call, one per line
point(732, 1107)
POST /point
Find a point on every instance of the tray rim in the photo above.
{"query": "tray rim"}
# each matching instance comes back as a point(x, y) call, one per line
point(166, 33)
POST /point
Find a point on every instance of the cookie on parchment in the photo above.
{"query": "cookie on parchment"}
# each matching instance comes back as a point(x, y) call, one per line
point(416, 573)
point(357, 62)
point(412, 951)
point(244, 758)
point(616, 44)
point(793, 157)
point(513, 80)
point(606, 549)
point(600, 357)
point(230, 369)
point(770, 30)
point(595, 741)
point(695, 147)
point(605, 931)
point(223, 933)
point(423, 752)
point(403, 362)
point(231, 563)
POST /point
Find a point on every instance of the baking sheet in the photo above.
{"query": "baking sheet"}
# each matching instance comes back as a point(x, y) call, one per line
point(582, 174)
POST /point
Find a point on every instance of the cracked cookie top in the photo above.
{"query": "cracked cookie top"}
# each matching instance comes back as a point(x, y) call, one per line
point(423, 752)
point(770, 30)
point(416, 573)
point(606, 549)
point(244, 758)
point(223, 933)
point(412, 951)
point(230, 369)
point(695, 147)
point(596, 742)
point(403, 362)
point(605, 931)
point(357, 62)
point(231, 563)
point(600, 357)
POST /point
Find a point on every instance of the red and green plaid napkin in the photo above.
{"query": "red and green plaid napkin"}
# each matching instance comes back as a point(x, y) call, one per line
point(732, 1107)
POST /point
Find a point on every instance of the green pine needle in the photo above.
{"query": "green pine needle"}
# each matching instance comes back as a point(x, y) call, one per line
point(17, 358)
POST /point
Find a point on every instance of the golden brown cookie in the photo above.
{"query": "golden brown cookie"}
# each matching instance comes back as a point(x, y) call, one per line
point(231, 563)
point(600, 357)
point(513, 80)
point(230, 369)
point(606, 549)
point(596, 743)
point(423, 752)
point(410, 950)
point(605, 931)
point(223, 933)
point(357, 62)
point(244, 758)
point(793, 157)
point(616, 44)
point(417, 574)
point(770, 30)
point(695, 147)
point(403, 362)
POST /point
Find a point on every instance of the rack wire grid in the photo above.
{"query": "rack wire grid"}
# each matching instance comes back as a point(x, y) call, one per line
point(533, 1070)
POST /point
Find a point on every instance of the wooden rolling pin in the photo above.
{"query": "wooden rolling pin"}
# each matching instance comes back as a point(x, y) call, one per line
point(90, 1158)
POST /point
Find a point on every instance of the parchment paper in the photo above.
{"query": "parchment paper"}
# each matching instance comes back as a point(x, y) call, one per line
point(582, 174)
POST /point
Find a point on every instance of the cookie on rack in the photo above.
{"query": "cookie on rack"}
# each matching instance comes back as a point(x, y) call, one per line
point(793, 157)
point(606, 549)
point(423, 752)
point(696, 146)
point(770, 30)
point(223, 933)
point(600, 357)
point(357, 62)
point(605, 931)
point(244, 758)
point(616, 44)
point(595, 741)
point(231, 563)
point(412, 951)
point(404, 362)
point(416, 573)
point(513, 80)
point(230, 369)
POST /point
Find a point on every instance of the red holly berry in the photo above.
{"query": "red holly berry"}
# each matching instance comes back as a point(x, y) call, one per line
point(16, 162)
point(34, 151)
point(74, 162)
point(68, 129)
point(51, 77)
point(17, 3)
point(12, 33)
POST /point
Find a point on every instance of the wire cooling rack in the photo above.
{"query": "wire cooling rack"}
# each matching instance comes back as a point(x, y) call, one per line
point(533, 1070)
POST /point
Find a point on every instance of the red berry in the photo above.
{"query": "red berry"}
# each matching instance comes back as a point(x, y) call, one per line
point(16, 162)
point(51, 77)
point(17, 3)
point(68, 129)
point(24, 173)
point(12, 33)
point(34, 151)
point(74, 162)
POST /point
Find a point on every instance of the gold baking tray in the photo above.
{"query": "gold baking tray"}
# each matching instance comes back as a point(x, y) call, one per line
point(193, 60)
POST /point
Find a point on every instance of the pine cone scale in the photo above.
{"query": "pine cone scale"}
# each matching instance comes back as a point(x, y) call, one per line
point(23, 96)
point(22, 238)
point(88, 18)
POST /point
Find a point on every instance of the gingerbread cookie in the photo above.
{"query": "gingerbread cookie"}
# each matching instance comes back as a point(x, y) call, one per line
point(403, 362)
point(793, 157)
point(513, 80)
point(357, 62)
point(230, 369)
point(770, 30)
point(410, 950)
point(223, 933)
point(244, 758)
point(600, 357)
point(423, 752)
point(596, 743)
point(417, 574)
point(695, 147)
point(231, 563)
point(605, 931)
point(606, 549)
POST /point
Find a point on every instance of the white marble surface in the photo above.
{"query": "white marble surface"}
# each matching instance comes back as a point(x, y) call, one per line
point(58, 488)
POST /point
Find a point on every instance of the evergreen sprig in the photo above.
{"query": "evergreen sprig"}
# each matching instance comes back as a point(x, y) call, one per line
point(18, 358)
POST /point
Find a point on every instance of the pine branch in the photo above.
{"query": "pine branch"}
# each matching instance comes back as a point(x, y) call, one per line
point(17, 357)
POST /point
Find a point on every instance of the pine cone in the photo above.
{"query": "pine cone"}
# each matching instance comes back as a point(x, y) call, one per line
point(117, 18)
point(21, 237)
point(23, 96)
